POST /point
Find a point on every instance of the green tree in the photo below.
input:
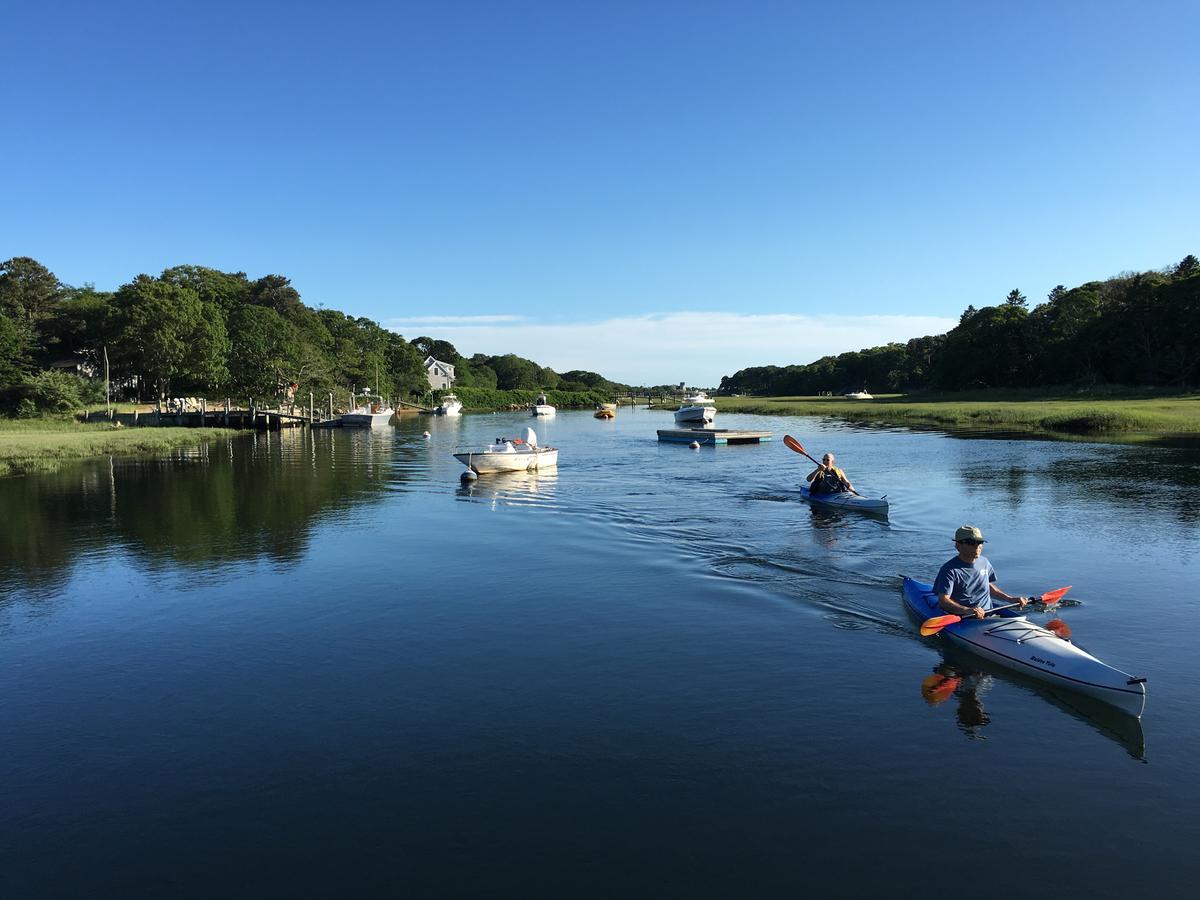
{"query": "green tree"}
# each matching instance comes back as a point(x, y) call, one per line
point(275, 292)
point(1015, 298)
point(14, 353)
point(260, 341)
point(1188, 266)
point(227, 290)
point(167, 334)
point(29, 291)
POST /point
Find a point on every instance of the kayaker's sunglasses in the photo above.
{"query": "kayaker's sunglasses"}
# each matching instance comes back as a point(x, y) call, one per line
point(970, 542)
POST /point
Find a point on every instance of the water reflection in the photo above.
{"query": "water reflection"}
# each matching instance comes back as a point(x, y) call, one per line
point(966, 679)
point(511, 489)
point(251, 496)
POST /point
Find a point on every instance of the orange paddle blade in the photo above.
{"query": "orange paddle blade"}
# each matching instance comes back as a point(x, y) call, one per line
point(936, 624)
point(938, 688)
point(794, 444)
point(1054, 596)
point(1059, 627)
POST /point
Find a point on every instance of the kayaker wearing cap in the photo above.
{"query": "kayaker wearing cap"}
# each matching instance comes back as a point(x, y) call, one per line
point(966, 585)
point(828, 478)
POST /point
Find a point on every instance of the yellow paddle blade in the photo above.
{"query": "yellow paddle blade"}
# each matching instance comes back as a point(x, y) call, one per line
point(936, 624)
point(1054, 596)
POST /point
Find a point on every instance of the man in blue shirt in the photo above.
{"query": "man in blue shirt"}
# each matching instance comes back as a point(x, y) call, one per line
point(966, 585)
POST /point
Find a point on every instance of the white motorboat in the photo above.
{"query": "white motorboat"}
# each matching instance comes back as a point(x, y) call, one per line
point(697, 409)
point(450, 406)
point(510, 455)
point(366, 415)
point(540, 407)
point(858, 395)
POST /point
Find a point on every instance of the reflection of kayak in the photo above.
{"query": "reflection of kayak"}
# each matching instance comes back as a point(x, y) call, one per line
point(845, 498)
point(1023, 646)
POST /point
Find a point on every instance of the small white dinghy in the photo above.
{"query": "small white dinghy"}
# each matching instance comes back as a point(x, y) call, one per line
point(510, 455)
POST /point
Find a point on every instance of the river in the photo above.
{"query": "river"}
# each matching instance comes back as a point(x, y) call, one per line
point(315, 662)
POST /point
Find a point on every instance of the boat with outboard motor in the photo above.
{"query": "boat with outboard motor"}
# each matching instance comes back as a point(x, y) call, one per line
point(510, 455)
point(699, 408)
point(1026, 647)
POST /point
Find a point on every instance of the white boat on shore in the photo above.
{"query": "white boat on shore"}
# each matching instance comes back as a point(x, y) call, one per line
point(541, 408)
point(450, 406)
point(858, 395)
point(697, 409)
point(510, 455)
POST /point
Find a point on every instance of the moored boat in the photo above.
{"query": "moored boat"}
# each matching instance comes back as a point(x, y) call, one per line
point(540, 407)
point(510, 455)
point(858, 395)
point(1026, 647)
point(373, 412)
point(698, 409)
point(847, 500)
point(450, 406)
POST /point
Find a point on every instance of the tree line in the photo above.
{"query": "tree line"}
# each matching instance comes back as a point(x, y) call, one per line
point(197, 331)
point(1138, 328)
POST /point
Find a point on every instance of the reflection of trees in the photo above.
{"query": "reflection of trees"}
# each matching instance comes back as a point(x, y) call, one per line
point(1135, 481)
point(251, 496)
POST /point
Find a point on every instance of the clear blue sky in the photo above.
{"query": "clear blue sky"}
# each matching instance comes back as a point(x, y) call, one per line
point(606, 169)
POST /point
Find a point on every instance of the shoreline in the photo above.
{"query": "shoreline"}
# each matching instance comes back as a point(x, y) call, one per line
point(1102, 418)
point(28, 446)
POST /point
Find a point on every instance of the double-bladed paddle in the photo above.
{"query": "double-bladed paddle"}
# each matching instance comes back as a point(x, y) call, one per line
point(793, 444)
point(937, 623)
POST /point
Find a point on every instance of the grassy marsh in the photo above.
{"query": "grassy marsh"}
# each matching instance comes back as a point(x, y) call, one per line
point(39, 445)
point(1061, 412)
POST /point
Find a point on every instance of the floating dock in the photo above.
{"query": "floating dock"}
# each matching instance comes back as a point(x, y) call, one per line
point(712, 436)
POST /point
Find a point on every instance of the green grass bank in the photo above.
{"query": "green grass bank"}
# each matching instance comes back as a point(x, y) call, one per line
point(40, 445)
point(1115, 412)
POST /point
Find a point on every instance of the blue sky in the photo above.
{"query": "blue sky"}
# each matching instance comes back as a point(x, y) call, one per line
point(660, 192)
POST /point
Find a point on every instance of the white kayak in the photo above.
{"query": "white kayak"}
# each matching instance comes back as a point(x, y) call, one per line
point(1026, 647)
point(847, 499)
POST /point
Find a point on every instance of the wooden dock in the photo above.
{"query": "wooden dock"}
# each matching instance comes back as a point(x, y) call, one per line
point(712, 436)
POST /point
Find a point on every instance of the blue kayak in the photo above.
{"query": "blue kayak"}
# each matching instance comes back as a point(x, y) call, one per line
point(847, 500)
point(1026, 647)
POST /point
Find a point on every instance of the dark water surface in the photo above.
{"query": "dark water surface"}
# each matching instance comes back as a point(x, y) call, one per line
point(317, 664)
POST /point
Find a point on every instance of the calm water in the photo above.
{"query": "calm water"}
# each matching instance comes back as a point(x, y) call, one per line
point(316, 663)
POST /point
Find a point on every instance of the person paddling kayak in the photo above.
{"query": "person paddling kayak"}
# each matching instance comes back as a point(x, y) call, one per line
point(966, 584)
point(828, 478)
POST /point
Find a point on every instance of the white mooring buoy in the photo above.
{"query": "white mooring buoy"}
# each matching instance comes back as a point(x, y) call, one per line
point(469, 475)
point(427, 434)
point(695, 445)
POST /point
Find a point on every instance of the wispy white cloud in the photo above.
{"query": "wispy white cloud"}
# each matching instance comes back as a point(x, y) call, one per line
point(415, 322)
point(695, 347)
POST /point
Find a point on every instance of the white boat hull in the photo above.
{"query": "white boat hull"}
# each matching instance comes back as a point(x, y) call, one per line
point(359, 419)
point(484, 463)
point(449, 410)
point(693, 414)
point(543, 410)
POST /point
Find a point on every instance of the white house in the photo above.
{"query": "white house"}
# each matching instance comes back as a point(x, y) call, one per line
point(440, 374)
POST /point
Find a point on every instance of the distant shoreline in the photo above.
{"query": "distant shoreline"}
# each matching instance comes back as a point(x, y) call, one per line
point(1120, 416)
